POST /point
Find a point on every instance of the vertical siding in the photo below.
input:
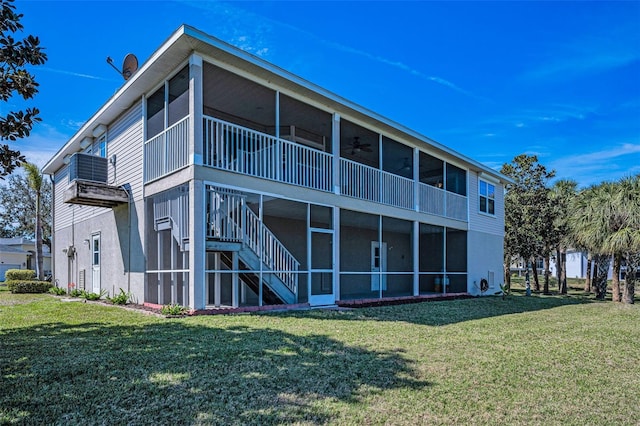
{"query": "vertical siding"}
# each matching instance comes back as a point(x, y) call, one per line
point(483, 222)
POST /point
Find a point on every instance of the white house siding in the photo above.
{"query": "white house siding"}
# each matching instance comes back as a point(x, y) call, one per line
point(485, 239)
point(75, 224)
point(125, 142)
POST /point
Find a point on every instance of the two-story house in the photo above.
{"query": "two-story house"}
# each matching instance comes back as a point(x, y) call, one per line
point(213, 178)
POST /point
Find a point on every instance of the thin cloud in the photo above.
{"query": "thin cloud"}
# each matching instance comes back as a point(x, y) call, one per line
point(76, 74)
point(599, 166)
point(42, 144)
point(258, 46)
point(615, 48)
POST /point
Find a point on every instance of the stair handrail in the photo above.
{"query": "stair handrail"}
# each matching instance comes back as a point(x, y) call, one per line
point(166, 207)
point(271, 252)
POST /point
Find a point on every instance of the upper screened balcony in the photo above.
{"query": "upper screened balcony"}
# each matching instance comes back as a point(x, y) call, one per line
point(251, 129)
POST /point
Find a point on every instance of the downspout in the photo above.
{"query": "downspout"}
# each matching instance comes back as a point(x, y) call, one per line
point(53, 221)
point(127, 188)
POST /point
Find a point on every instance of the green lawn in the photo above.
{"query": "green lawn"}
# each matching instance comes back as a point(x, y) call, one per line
point(523, 360)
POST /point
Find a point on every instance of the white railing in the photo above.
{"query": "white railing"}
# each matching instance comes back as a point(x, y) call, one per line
point(239, 149)
point(167, 151)
point(437, 201)
point(371, 184)
point(174, 206)
point(224, 218)
point(229, 219)
point(272, 252)
point(360, 181)
point(397, 191)
point(456, 206)
point(431, 199)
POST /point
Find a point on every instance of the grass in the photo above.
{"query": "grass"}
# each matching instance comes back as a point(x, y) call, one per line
point(523, 360)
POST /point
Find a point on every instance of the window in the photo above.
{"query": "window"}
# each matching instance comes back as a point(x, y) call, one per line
point(487, 198)
point(101, 146)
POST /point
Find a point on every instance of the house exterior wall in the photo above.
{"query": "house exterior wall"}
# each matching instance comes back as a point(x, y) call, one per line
point(122, 255)
point(126, 230)
point(485, 239)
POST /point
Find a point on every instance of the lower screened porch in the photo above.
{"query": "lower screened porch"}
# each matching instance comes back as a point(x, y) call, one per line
point(264, 250)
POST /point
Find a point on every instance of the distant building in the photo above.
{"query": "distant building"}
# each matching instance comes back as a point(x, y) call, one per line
point(20, 253)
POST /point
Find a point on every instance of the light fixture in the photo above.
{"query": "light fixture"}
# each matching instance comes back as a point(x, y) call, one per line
point(98, 130)
point(86, 142)
point(66, 159)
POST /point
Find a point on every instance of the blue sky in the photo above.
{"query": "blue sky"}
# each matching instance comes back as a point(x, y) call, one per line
point(491, 80)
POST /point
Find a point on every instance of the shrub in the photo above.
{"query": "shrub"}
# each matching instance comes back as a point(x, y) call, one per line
point(120, 299)
point(76, 293)
point(58, 291)
point(28, 286)
point(173, 309)
point(19, 275)
point(92, 296)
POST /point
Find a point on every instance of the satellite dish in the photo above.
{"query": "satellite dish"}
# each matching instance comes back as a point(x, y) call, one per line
point(129, 66)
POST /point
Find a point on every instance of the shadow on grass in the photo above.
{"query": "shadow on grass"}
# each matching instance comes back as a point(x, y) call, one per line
point(438, 313)
point(177, 373)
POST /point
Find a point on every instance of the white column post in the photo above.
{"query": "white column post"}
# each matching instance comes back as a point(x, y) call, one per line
point(335, 151)
point(416, 179)
point(235, 281)
point(416, 258)
point(160, 267)
point(216, 284)
point(278, 162)
point(195, 110)
point(336, 252)
point(197, 288)
point(174, 275)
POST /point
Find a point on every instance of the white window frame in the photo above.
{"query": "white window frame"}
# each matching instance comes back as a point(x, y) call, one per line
point(487, 195)
point(101, 145)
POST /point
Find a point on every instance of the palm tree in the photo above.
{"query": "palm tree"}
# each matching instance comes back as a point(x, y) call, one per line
point(562, 195)
point(589, 225)
point(625, 238)
point(35, 180)
point(606, 221)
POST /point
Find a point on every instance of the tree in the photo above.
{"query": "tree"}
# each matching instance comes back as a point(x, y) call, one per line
point(17, 205)
point(562, 194)
point(34, 180)
point(589, 226)
point(15, 55)
point(626, 236)
point(607, 222)
point(527, 210)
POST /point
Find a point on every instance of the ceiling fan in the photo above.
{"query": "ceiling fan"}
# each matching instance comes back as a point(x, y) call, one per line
point(357, 146)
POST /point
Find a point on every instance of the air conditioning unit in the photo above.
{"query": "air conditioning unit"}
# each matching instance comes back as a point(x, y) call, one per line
point(88, 167)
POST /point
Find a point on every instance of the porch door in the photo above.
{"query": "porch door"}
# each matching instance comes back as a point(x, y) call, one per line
point(378, 265)
point(321, 282)
point(95, 263)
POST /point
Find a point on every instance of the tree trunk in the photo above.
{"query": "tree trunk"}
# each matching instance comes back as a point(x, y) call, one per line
point(633, 263)
point(587, 281)
point(547, 272)
point(39, 260)
point(615, 279)
point(536, 281)
point(563, 275)
point(507, 274)
point(600, 275)
point(559, 267)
